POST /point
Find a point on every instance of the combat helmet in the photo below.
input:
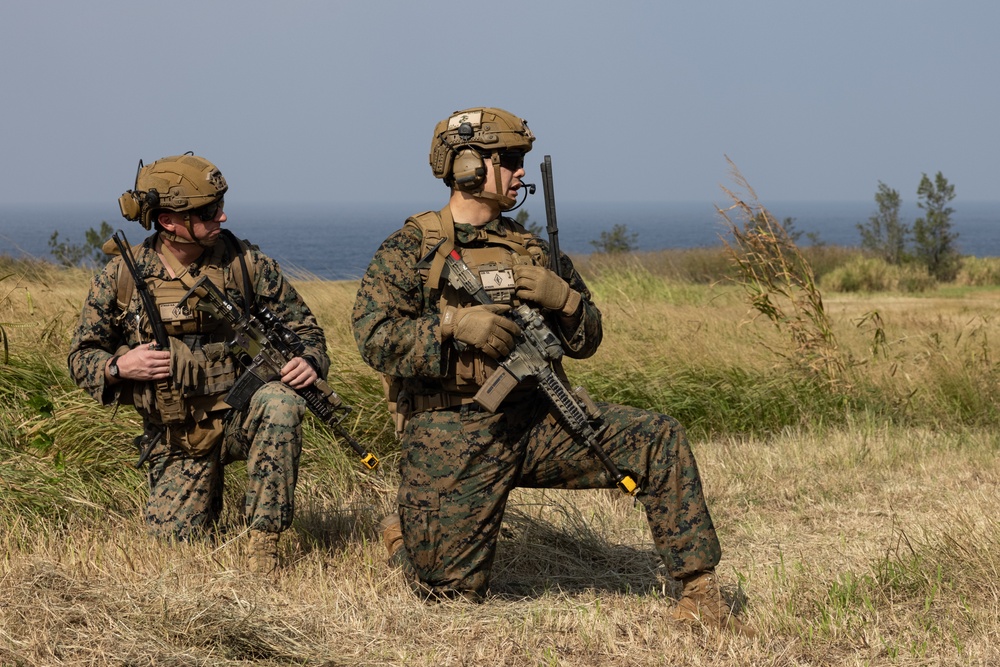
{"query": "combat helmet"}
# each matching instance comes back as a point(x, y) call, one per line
point(176, 183)
point(465, 139)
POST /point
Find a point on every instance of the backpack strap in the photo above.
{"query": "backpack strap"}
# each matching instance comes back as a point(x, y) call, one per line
point(248, 270)
point(124, 280)
point(434, 226)
point(244, 278)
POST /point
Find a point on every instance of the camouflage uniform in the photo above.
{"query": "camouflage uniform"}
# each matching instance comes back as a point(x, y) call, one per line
point(186, 485)
point(459, 463)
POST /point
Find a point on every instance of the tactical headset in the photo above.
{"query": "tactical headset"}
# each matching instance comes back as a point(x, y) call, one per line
point(462, 141)
point(133, 202)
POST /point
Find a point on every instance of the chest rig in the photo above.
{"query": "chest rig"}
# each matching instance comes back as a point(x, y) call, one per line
point(495, 250)
point(201, 365)
point(180, 321)
point(491, 253)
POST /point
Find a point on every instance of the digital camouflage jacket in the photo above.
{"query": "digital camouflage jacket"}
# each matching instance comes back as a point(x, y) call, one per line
point(104, 330)
point(397, 323)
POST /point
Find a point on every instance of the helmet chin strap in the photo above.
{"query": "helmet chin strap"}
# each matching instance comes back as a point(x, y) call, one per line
point(506, 203)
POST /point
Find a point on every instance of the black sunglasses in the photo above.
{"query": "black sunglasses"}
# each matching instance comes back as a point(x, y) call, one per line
point(208, 212)
point(512, 160)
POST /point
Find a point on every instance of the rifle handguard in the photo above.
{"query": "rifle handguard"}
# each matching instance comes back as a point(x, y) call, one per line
point(267, 345)
point(541, 347)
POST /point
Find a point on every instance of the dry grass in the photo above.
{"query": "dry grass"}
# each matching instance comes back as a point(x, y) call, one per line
point(854, 543)
point(869, 547)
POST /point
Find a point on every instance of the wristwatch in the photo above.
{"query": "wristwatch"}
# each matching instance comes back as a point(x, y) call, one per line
point(113, 367)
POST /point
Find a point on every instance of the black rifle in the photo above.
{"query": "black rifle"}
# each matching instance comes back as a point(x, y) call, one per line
point(533, 355)
point(147, 441)
point(551, 226)
point(263, 345)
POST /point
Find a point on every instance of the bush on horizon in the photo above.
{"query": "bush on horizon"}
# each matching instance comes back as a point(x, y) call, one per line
point(979, 272)
point(874, 274)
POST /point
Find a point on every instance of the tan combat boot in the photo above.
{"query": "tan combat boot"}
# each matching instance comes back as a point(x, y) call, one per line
point(392, 534)
point(262, 552)
point(701, 602)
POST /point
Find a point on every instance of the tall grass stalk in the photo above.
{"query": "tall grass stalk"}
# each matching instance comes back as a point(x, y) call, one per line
point(779, 282)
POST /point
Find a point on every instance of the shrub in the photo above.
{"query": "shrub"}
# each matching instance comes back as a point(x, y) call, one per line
point(618, 240)
point(979, 271)
point(88, 254)
point(825, 258)
point(869, 274)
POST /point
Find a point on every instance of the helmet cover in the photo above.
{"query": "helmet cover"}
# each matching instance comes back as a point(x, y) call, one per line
point(176, 183)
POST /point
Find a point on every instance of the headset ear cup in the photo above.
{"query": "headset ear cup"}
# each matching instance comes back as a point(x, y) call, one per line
point(440, 158)
point(468, 170)
point(148, 202)
point(129, 205)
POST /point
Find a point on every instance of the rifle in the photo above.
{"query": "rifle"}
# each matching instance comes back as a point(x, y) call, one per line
point(263, 345)
point(551, 227)
point(147, 441)
point(533, 356)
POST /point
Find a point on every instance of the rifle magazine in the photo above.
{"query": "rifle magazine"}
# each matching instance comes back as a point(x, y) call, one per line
point(497, 387)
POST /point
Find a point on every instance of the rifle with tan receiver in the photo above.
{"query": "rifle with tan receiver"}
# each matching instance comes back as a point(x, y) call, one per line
point(534, 353)
point(263, 345)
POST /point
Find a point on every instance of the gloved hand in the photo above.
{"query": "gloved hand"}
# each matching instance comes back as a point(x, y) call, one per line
point(483, 327)
point(184, 367)
point(544, 288)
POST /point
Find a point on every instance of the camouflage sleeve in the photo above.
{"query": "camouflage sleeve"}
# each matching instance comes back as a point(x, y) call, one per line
point(275, 293)
point(397, 333)
point(98, 336)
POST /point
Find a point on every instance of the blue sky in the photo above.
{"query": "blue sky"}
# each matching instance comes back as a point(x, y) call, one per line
point(636, 101)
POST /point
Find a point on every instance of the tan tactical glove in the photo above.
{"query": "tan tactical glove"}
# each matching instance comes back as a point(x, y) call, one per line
point(543, 287)
point(185, 369)
point(483, 327)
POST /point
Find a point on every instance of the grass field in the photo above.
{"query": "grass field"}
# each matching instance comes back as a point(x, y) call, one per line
point(858, 510)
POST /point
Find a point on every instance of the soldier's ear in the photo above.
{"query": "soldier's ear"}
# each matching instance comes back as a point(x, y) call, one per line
point(166, 220)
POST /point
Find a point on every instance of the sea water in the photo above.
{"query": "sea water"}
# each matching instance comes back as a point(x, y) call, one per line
point(336, 241)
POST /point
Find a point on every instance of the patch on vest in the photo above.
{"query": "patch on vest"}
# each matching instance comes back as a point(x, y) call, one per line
point(172, 312)
point(498, 281)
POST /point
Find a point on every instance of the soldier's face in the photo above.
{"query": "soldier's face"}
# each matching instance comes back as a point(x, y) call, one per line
point(511, 173)
point(200, 231)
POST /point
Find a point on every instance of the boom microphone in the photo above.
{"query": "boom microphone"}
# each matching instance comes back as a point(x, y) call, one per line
point(529, 189)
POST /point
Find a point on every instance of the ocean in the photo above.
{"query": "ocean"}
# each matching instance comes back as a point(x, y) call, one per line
point(336, 241)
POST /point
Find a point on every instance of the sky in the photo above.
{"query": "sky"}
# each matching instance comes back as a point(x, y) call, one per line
point(327, 102)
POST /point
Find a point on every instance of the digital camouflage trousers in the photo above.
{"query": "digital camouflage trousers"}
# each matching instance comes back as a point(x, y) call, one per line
point(459, 465)
point(185, 492)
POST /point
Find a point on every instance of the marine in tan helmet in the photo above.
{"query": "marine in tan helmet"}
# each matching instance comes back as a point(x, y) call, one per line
point(180, 392)
point(470, 147)
point(436, 347)
point(187, 185)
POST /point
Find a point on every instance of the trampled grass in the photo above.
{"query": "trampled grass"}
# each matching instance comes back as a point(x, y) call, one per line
point(858, 519)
